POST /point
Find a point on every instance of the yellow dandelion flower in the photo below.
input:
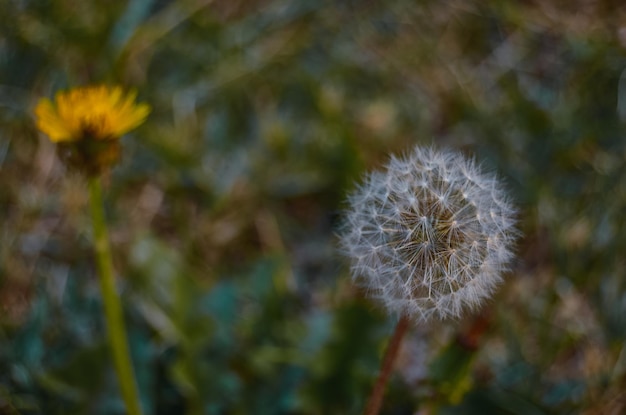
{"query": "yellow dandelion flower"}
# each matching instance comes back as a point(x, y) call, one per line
point(94, 112)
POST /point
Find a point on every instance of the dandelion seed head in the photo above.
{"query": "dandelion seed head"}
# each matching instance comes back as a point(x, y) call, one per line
point(430, 236)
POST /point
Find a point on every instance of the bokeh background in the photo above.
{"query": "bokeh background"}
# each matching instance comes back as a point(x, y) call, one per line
point(224, 211)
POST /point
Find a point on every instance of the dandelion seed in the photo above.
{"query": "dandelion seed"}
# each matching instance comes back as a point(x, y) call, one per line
point(430, 236)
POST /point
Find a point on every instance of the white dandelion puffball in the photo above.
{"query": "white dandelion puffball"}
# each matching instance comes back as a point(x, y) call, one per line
point(429, 236)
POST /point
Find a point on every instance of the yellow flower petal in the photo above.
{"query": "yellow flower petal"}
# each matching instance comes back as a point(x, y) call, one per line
point(49, 122)
point(96, 112)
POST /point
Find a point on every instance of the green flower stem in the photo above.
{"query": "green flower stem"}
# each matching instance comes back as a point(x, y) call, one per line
point(112, 306)
point(376, 398)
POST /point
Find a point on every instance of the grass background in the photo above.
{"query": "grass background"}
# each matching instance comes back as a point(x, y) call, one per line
point(224, 209)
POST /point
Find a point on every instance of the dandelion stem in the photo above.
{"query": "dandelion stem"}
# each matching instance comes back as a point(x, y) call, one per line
point(112, 306)
point(376, 398)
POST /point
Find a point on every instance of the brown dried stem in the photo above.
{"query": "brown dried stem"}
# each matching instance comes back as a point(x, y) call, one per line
point(376, 398)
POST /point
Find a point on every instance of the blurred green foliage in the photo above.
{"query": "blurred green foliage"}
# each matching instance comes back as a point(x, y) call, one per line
point(224, 209)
